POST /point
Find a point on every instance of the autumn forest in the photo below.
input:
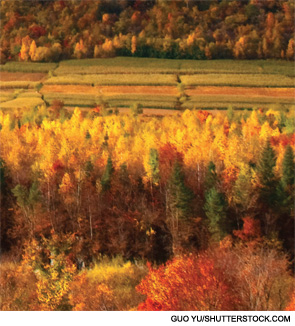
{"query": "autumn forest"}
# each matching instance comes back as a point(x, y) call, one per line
point(104, 209)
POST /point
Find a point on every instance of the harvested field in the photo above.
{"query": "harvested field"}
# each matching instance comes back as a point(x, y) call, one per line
point(22, 103)
point(71, 89)
point(113, 79)
point(28, 67)
point(20, 76)
point(241, 91)
point(243, 80)
point(109, 90)
point(17, 84)
point(145, 90)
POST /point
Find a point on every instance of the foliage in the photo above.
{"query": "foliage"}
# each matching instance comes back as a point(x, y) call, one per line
point(186, 283)
point(223, 278)
point(147, 29)
point(83, 186)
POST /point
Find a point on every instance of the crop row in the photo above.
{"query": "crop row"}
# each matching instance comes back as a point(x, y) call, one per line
point(106, 80)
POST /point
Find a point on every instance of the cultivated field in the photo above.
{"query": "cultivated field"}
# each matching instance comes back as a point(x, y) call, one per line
point(153, 83)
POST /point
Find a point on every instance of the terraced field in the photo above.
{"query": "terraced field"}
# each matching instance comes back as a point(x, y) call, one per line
point(154, 83)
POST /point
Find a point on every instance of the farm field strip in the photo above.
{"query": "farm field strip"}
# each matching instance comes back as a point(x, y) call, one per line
point(22, 102)
point(150, 82)
point(129, 65)
point(105, 80)
point(241, 91)
point(237, 80)
point(234, 98)
point(110, 90)
point(17, 84)
point(20, 76)
point(28, 67)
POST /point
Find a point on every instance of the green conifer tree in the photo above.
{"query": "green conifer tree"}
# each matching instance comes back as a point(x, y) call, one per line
point(267, 178)
point(107, 176)
point(215, 205)
point(288, 172)
point(215, 212)
point(154, 165)
point(211, 176)
point(181, 195)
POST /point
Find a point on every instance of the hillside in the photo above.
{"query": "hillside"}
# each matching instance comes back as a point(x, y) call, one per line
point(55, 30)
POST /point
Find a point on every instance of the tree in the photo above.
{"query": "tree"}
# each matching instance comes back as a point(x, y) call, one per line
point(181, 195)
point(268, 187)
point(24, 52)
point(179, 204)
point(154, 166)
point(32, 51)
point(211, 176)
point(50, 259)
point(244, 196)
point(186, 283)
point(107, 176)
point(290, 54)
point(288, 166)
point(215, 211)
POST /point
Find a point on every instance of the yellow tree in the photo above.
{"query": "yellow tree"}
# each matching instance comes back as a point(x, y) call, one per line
point(32, 51)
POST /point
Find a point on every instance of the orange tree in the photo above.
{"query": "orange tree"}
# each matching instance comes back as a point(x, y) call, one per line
point(186, 283)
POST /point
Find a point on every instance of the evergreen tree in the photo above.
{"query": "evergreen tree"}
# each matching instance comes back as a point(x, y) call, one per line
point(154, 165)
point(288, 173)
point(214, 204)
point(107, 176)
point(269, 197)
point(182, 196)
point(267, 178)
point(215, 211)
point(286, 185)
point(211, 176)
point(286, 197)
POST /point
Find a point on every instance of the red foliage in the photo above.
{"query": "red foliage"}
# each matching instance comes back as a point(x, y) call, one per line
point(229, 176)
point(203, 115)
point(291, 305)
point(251, 230)
point(97, 109)
point(57, 166)
point(13, 21)
point(186, 283)
point(36, 31)
point(283, 139)
point(168, 155)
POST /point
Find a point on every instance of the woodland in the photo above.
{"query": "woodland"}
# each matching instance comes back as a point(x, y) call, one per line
point(58, 30)
point(117, 212)
point(105, 210)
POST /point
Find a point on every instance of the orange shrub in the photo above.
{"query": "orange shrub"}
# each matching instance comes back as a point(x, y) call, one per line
point(186, 283)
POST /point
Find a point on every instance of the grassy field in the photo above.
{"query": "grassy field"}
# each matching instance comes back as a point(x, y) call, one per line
point(22, 102)
point(123, 100)
point(244, 91)
point(118, 65)
point(224, 101)
point(123, 81)
point(28, 67)
point(113, 79)
point(129, 65)
point(237, 80)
